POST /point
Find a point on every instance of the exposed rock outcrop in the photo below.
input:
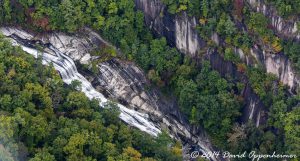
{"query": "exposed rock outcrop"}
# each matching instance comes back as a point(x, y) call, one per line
point(253, 109)
point(180, 31)
point(283, 27)
point(125, 82)
point(277, 64)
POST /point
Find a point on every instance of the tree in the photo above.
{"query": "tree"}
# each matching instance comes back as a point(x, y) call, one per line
point(139, 21)
point(9, 130)
point(75, 85)
point(76, 100)
point(163, 58)
point(72, 16)
point(230, 28)
point(277, 114)
point(187, 95)
point(204, 8)
point(37, 129)
point(112, 8)
point(124, 137)
point(292, 131)
point(237, 134)
point(43, 156)
point(258, 23)
point(194, 118)
point(100, 22)
point(39, 94)
point(194, 7)
point(7, 10)
point(74, 147)
point(225, 26)
point(130, 154)
point(5, 102)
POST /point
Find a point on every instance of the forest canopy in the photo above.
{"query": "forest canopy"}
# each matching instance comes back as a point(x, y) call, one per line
point(35, 98)
point(43, 119)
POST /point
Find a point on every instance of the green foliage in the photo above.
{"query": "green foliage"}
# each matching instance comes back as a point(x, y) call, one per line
point(291, 49)
point(249, 138)
point(6, 10)
point(45, 120)
point(161, 60)
point(208, 102)
point(54, 121)
point(72, 16)
point(229, 55)
point(292, 130)
point(43, 156)
point(226, 27)
point(176, 6)
point(285, 7)
point(204, 8)
point(208, 28)
point(164, 58)
point(258, 22)
point(198, 8)
point(262, 84)
point(243, 41)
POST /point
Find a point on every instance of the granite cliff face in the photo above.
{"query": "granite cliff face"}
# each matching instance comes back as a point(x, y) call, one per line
point(283, 27)
point(180, 31)
point(253, 109)
point(122, 81)
point(277, 64)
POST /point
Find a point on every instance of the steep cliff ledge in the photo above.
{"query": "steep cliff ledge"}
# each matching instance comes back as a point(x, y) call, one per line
point(180, 31)
point(277, 64)
point(284, 28)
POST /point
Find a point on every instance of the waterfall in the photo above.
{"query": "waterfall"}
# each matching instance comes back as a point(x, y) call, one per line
point(61, 56)
point(68, 71)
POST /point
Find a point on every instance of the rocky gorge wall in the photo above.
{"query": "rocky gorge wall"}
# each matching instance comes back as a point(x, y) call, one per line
point(180, 31)
point(283, 27)
point(278, 64)
point(253, 109)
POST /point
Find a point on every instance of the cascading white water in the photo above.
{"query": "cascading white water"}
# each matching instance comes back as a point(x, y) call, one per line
point(69, 73)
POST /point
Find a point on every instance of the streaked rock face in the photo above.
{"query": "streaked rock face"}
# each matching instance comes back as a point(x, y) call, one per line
point(187, 39)
point(124, 82)
point(180, 31)
point(277, 64)
point(285, 28)
point(280, 65)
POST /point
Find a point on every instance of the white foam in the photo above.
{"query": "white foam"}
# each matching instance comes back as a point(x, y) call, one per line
point(69, 73)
